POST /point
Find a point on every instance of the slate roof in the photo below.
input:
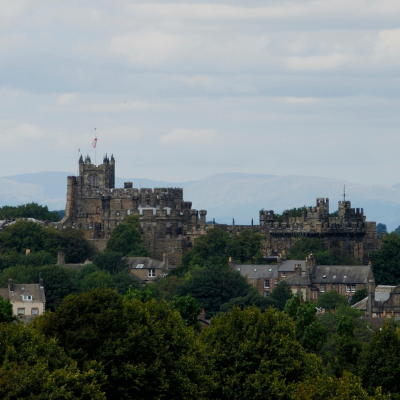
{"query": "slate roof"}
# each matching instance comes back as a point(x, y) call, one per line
point(32, 289)
point(145, 263)
point(289, 265)
point(257, 271)
point(340, 274)
point(296, 280)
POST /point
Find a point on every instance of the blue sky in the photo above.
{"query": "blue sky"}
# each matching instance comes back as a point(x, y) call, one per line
point(182, 90)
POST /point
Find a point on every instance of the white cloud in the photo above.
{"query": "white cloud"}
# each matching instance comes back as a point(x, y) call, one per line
point(21, 136)
point(315, 63)
point(184, 137)
point(387, 47)
point(66, 99)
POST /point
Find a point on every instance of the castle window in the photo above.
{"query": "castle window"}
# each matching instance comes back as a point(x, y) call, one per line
point(93, 180)
point(266, 283)
point(152, 273)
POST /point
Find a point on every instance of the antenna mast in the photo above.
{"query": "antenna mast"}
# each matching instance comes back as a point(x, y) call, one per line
point(94, 144)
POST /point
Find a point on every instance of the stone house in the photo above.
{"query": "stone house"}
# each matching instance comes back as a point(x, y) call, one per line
point(146, 269)
point(308, 279)
point(28, 300)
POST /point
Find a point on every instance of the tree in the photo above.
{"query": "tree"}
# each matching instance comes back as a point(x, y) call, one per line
point(331, 300)
point(386, 261)
point(213, 287)
point(246, 247)
point(255, 355)
point(6, 311)
point(35, 367)
point(379, 362)
point(359, 295)
point(210, 249)
point(281, 294)
point(380, 228)
point(252, 298)
point(30, 210)
point(309, 332)
point(127, 240)
point(111, 261)
point(97, 280)
point(189, 309)
point(347, 387)
point(146, 349)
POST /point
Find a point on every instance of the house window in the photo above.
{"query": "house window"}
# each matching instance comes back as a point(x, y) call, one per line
point(27, 297)
point(266, 294)
point(283, 274)
point(353, 288)
point(322, 288)
point(35, 311)
point(152, 273)
point(21, 311)
point(348, 288)
point(266, 283)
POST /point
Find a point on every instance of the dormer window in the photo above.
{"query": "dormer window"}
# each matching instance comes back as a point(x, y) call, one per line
point(26, 297)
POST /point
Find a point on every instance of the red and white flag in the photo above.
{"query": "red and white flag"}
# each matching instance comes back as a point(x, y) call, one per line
point(95, 140)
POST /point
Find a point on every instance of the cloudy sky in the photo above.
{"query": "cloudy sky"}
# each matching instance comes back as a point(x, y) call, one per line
point(182, 90)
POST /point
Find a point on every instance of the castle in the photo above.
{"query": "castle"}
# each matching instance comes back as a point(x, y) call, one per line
point(170, 225)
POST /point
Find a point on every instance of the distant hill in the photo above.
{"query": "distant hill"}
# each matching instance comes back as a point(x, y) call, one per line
point(227, 196)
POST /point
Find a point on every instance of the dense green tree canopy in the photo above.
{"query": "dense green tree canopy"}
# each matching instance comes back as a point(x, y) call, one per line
point(246, 246)
point(379, 363)
point(359, 295)
point(213, 287)
point(281, 294)
point(34, 367)
point(256, 356)
point(331, 300)
point(386, 261)
point(111, 262)
point(30, 210)
point(127, 240)
point(6, 311)
point(146, 349)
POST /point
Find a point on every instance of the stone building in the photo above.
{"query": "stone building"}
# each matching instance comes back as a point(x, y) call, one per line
point(306, 278)
point(28, 300)
point(169, 224)
point(146, 269)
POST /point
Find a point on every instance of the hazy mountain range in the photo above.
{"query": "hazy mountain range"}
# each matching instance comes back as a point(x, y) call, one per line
point(227, 196)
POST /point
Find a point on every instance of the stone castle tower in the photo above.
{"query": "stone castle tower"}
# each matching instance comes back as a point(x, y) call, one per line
point(169, 224)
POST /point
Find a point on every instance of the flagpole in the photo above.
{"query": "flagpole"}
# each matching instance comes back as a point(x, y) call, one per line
point(77, 168)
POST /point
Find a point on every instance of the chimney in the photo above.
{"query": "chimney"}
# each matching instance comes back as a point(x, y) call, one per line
point(60, 257)
point(231, 263)
point(10, 285)
point(310, 263)
point(371, 296)
point(41, 283)
point(166, 261)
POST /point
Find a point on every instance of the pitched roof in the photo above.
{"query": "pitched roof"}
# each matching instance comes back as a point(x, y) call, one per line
point(257, 271)
point(290, 265)
point(29, 289)
point(340, 273)
point(296, 280)
point(145, 263)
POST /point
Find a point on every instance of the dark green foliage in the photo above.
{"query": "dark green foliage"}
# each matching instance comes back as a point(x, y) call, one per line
point(386, 261)
point(124, 280)
point(379, 363)
point(252, 298)
point(281, 294)
point(380, 228)
point(146, 349)
point(305, 246)
point(31, 210)
point(37, 259)
point(127, 240)
point(359, 295)
point(213, 287)
point(246, 248)
point(331, 300)
point(293, 212)
point(23, 235)
point(6, 311)
point(111, 262)
point(189, 309)
point(256, 356)
point(35, 367)
point(309, 332)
